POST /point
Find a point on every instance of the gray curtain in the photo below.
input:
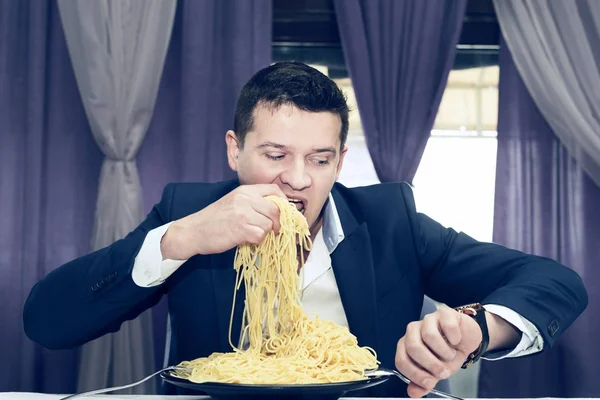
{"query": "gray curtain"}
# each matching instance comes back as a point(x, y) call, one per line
point(556, 48)
point(49, 167)
point(546, 205)
point(399, 54)
point(217, 45)
point(117, 49)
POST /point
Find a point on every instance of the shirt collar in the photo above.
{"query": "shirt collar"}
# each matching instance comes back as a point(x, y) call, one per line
point(333, 234)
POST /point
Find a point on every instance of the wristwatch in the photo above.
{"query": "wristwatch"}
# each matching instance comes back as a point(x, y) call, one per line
point(477, 312)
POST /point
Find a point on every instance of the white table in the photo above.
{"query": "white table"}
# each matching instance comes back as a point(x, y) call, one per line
point(38, 396)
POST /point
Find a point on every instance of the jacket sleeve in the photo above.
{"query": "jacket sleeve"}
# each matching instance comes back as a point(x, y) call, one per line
point(459, 270)
point(94, 294)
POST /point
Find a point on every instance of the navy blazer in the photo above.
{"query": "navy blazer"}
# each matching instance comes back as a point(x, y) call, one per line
point(391, 256)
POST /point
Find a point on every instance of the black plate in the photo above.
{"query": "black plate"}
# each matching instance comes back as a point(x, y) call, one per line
point(315, 391)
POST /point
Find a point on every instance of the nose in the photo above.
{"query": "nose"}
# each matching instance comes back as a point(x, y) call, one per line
point(296, 176)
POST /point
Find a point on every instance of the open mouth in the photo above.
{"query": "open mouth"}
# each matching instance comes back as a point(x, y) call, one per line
point(299, 204)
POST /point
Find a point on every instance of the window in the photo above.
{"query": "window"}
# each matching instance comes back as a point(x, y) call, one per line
point(455, 180)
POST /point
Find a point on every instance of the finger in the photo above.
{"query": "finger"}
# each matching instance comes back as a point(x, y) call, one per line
point(269, 210)
point(417, 375)
point(420, 354)
point(265, 190)
point(450, 325)
point(416, 391)
point(434, 339)
point(254, 234)
point(258, 220)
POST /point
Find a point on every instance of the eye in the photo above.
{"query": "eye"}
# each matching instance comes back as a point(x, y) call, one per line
point(320, 161)
point(274, 157)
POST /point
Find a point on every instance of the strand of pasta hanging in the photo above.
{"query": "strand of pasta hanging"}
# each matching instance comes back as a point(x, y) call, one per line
point(285, 346)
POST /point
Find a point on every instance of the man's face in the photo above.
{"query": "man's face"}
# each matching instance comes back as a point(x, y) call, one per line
point(297, 150)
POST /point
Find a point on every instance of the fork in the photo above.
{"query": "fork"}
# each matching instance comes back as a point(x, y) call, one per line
point(110, 389)
point(391, 372)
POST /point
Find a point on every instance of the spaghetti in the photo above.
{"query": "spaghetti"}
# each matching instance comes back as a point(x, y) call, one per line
point(283, 345)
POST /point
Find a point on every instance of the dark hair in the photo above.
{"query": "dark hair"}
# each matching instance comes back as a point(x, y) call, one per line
point(289, 83)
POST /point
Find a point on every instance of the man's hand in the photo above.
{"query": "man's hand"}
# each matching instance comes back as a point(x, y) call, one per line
point(435, 348)
point(242, 216)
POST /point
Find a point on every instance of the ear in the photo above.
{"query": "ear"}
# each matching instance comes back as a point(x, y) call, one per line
point(233, 149)
point(341, 162)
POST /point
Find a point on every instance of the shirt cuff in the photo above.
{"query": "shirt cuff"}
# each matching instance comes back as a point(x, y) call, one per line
point(531, 339)
point(149, 268)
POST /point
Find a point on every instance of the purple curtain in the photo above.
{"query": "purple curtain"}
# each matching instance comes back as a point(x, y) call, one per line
point(399, 54)
point(546, 205)
point(216, 46)
point(49, 166)
point(49, 163)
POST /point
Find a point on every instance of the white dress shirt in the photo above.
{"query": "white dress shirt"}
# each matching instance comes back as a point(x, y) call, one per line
point(320, 295)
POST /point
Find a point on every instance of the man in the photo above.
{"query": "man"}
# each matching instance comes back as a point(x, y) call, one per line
point(373, 258)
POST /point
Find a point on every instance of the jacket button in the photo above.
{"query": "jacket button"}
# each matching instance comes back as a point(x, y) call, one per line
point(553, 327)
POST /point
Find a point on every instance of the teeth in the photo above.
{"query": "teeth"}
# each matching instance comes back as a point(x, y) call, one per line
point(298, 203)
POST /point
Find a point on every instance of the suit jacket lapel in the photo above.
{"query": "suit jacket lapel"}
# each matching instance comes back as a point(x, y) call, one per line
point(353, 268)
point(224, 282)
point(224, 276)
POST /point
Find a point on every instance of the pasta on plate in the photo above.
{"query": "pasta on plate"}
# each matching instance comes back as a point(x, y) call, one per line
point(283, 345)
